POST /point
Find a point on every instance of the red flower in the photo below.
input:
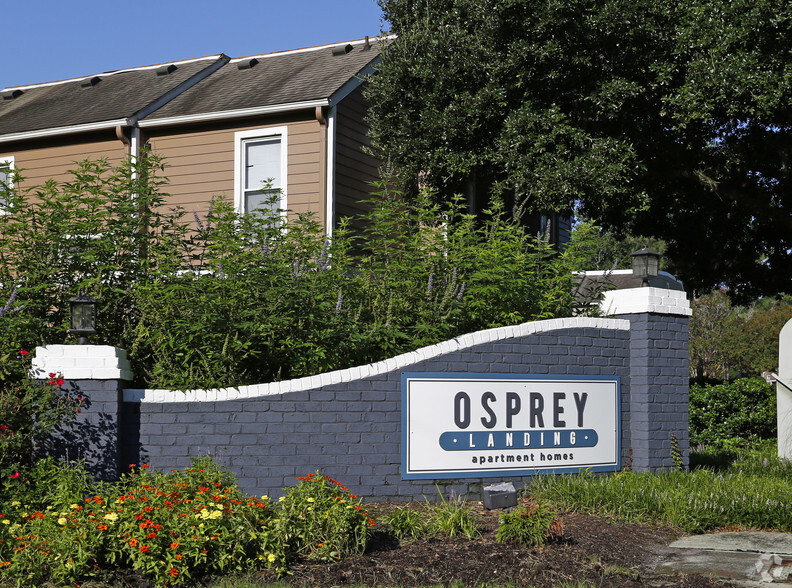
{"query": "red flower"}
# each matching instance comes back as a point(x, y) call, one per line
point(144, 549)
point(52, 374)
point(59, 382)
point(3, 427)
point(15, 476)
point(23, 352)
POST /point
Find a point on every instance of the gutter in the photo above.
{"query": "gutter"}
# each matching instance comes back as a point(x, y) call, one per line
point(226, 114)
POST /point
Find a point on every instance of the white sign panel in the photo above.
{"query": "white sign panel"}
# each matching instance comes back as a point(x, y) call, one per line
point(483, 425)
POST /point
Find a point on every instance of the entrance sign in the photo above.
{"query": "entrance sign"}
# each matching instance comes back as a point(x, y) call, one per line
point(457, 425)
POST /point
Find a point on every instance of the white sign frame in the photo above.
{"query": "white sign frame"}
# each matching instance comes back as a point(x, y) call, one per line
point(475, 425)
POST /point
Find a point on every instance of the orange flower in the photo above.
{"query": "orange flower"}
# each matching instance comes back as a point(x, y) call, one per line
point(151, 535)
point(178, 556)
point(174, 545)
point(371, 522)
point(102, 527)
point(144, 549)
point(133, 542)
point(173, 572)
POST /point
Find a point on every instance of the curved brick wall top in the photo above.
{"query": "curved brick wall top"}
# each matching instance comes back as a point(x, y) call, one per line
point(356, 373)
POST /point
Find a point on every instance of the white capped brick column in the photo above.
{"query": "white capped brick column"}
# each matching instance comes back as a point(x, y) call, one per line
point(784, 392)
point(82, 362)
point(97, 374)
point(658, 392)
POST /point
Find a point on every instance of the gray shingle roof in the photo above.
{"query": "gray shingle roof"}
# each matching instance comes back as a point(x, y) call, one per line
point(276, 78)
point(114, 96)
point(279, 78)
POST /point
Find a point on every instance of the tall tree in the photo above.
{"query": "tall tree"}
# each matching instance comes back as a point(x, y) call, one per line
point(656, 117)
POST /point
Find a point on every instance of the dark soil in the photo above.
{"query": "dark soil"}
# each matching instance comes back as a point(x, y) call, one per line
point(595, 551)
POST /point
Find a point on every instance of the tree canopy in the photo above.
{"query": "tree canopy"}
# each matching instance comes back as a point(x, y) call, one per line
point(656, 117)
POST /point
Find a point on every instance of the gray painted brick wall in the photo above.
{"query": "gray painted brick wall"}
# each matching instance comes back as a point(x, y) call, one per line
point(351, 431)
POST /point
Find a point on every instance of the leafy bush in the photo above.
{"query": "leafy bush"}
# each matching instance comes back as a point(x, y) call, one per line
point(733, 414)
point(234, 299)
point(30, 412)
point(319, 519)
point(173, 528)
point(529, 524)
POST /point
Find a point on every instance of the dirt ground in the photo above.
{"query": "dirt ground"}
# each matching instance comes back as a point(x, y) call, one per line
point(597, 551)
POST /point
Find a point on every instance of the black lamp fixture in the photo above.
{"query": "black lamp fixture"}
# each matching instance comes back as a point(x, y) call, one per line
point(645, 264)
point(83, 317)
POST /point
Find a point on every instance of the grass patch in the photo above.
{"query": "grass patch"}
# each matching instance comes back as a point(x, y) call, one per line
point(748, 489)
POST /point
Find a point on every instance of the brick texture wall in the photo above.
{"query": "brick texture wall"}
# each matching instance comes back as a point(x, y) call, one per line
point(348, 423)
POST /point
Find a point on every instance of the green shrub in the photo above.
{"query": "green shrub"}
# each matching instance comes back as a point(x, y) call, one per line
point(529, 524)
point(174, 528)
point(320, 519)
point(234, 299)
point(732, 415)
point(30, 412)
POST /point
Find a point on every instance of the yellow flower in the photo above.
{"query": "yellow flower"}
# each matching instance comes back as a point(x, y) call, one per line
point(62, 521)
point(111, 516)
point(72, 506)
point(281, 499)
point(265, 497)
point(310, 499)
point(6, 522)
point(216, 514)
point(271, 557)
point(16, 503)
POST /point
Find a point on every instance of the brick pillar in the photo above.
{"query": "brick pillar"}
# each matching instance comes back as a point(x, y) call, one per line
point(97, 374)
point(658, 393)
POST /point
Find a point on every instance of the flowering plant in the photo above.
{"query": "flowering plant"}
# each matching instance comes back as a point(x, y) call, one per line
point(29, 412)
point(321, 519)
point(174, 527)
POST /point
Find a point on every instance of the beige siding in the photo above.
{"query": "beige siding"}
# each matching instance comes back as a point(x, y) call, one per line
point(200, 162)
point(52, 158)
point(354, 169)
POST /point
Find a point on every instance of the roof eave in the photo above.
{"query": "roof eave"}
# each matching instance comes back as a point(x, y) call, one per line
point(228, 114)
point(51, 132)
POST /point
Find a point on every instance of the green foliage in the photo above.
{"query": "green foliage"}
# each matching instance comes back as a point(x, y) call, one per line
point(529, 524)
point(662, 118)
point(30, 412)
point(753, 492)
point(732, 415)
point(448, 517)
point(728, 341)
point(405, 522)
point(234, 299)
point(452, 517)
point(174, 528)
point(598, 249)
point(319, 519)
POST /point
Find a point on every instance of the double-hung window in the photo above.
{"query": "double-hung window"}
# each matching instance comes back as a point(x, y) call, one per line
point(260, 170)
point(6, 181)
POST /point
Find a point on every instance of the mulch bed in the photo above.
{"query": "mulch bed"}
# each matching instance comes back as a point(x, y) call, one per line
point(595, 550)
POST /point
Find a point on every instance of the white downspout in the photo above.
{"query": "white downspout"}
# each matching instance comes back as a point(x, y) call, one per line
point(330, 197)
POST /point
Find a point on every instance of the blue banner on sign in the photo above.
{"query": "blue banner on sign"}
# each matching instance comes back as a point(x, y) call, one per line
point(478, 440)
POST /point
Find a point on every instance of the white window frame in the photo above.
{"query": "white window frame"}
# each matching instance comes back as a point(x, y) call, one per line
point(6, 160)
point(240, 139)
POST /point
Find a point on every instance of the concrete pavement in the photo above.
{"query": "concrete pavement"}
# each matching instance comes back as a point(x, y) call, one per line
point(745, 558)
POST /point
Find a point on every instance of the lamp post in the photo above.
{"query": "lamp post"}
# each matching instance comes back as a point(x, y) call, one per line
point(645, 264)
point(83, 317)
